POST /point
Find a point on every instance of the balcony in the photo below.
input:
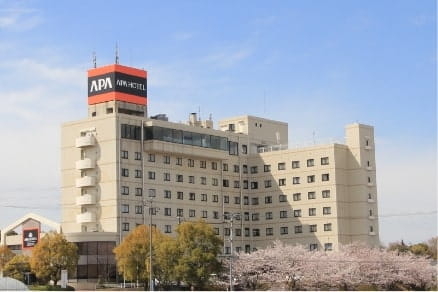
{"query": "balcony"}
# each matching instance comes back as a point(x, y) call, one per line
point(87, 217)
point(85, 141)
point(86, 181)
point(371, 217)
point(371, 233)
point(370, 184)
point(368, 147)
point(86, 163)
point(371, 201)
point(86, 199)
point(369, 168)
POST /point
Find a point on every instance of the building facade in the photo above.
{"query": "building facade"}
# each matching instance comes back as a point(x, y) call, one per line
point(119, 162)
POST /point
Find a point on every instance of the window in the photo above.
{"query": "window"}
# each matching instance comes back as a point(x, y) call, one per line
point(246, 200)
point(236, 168)
point(125, 190)
point(245, 168)
point(225, 167)
point(254, 169)
point(311, 195)
point(179, 178)
point(313, 246)
point(297, 213)
point(268, 183)
point(268, 216)
point(246, 216)
point(371, 229)
point(179, 161)
point(167, 228)
point(166, 176)
point(281, 166)
point(328, 246)
point(191, 179)
point(138, 191)
point(192, 196)
point(180, 195)
point(180, 212)
point(256, 232)
point(255, 217)
point(138, 209)
point(238, 232)
point(214, 181)
point(254, 201)
point(124, 154)
point(254, 185)
point(138, 173)
point(247, 232)
point(190, 162)
point(233, 148)
point(151, 193)
point(215, 198)
point(214, 165)
point(299, 229)
point(325, 177)
point(215, 214)
point(125, 208)
point(312, 211)
point(237, 200)
point(328, 227)
point(310, 162)
point(245, 184)
point(369, 179)
point(125, 172)
point(204, 214)
point(125, 226)
point(326, 194)
point(244, 149)
point(151, 157)
point(227, 231)
point(226, 199)
point(204, 197)
point(324, 160)
point(284, 230)
point(167, 194)
point(326, 210)
point(312, 228)
point(203, 180)
point(310, 179)
point(166, 159)
point(192, 213)
point(282, 198)
point(267, 168)
point(296, 180)
point(237, 184)
point(203, 164)
point(282, 182)
point(295, 164)
point(151, 175)
point(216, 231)
point(268, 200)
point(297, 196)
point(167, 211)
point(283, 214)
point(93, 114)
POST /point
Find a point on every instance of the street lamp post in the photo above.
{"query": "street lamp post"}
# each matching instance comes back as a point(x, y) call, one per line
point(151, 213)
point(231, 218)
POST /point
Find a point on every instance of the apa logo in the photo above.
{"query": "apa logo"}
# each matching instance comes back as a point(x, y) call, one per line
point(100, 84)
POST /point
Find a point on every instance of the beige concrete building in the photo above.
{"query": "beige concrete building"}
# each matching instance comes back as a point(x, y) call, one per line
point(118, 159)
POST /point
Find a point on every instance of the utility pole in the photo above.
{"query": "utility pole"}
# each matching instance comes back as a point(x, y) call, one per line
point(231, 218)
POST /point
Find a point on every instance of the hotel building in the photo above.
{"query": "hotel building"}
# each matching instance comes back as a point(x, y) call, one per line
point(119, 162)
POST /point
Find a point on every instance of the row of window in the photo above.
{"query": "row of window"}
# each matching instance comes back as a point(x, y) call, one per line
point(215, 198)
point(255, 232)
point(246, 216)
point(225, 182)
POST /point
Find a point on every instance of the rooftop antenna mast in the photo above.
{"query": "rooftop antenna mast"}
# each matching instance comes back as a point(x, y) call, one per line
point(94, 60)
point(199, 112)
point(117, 53)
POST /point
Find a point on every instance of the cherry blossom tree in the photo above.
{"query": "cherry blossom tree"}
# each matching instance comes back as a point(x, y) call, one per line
point(353, 266)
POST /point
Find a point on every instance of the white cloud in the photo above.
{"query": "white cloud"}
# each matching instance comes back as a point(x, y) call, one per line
point(19, 19)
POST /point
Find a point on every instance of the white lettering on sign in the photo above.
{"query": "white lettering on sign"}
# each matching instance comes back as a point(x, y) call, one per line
point(130, 84)
point(99, 84)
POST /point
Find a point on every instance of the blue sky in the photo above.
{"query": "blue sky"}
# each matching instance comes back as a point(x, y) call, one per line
point(317, 65)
